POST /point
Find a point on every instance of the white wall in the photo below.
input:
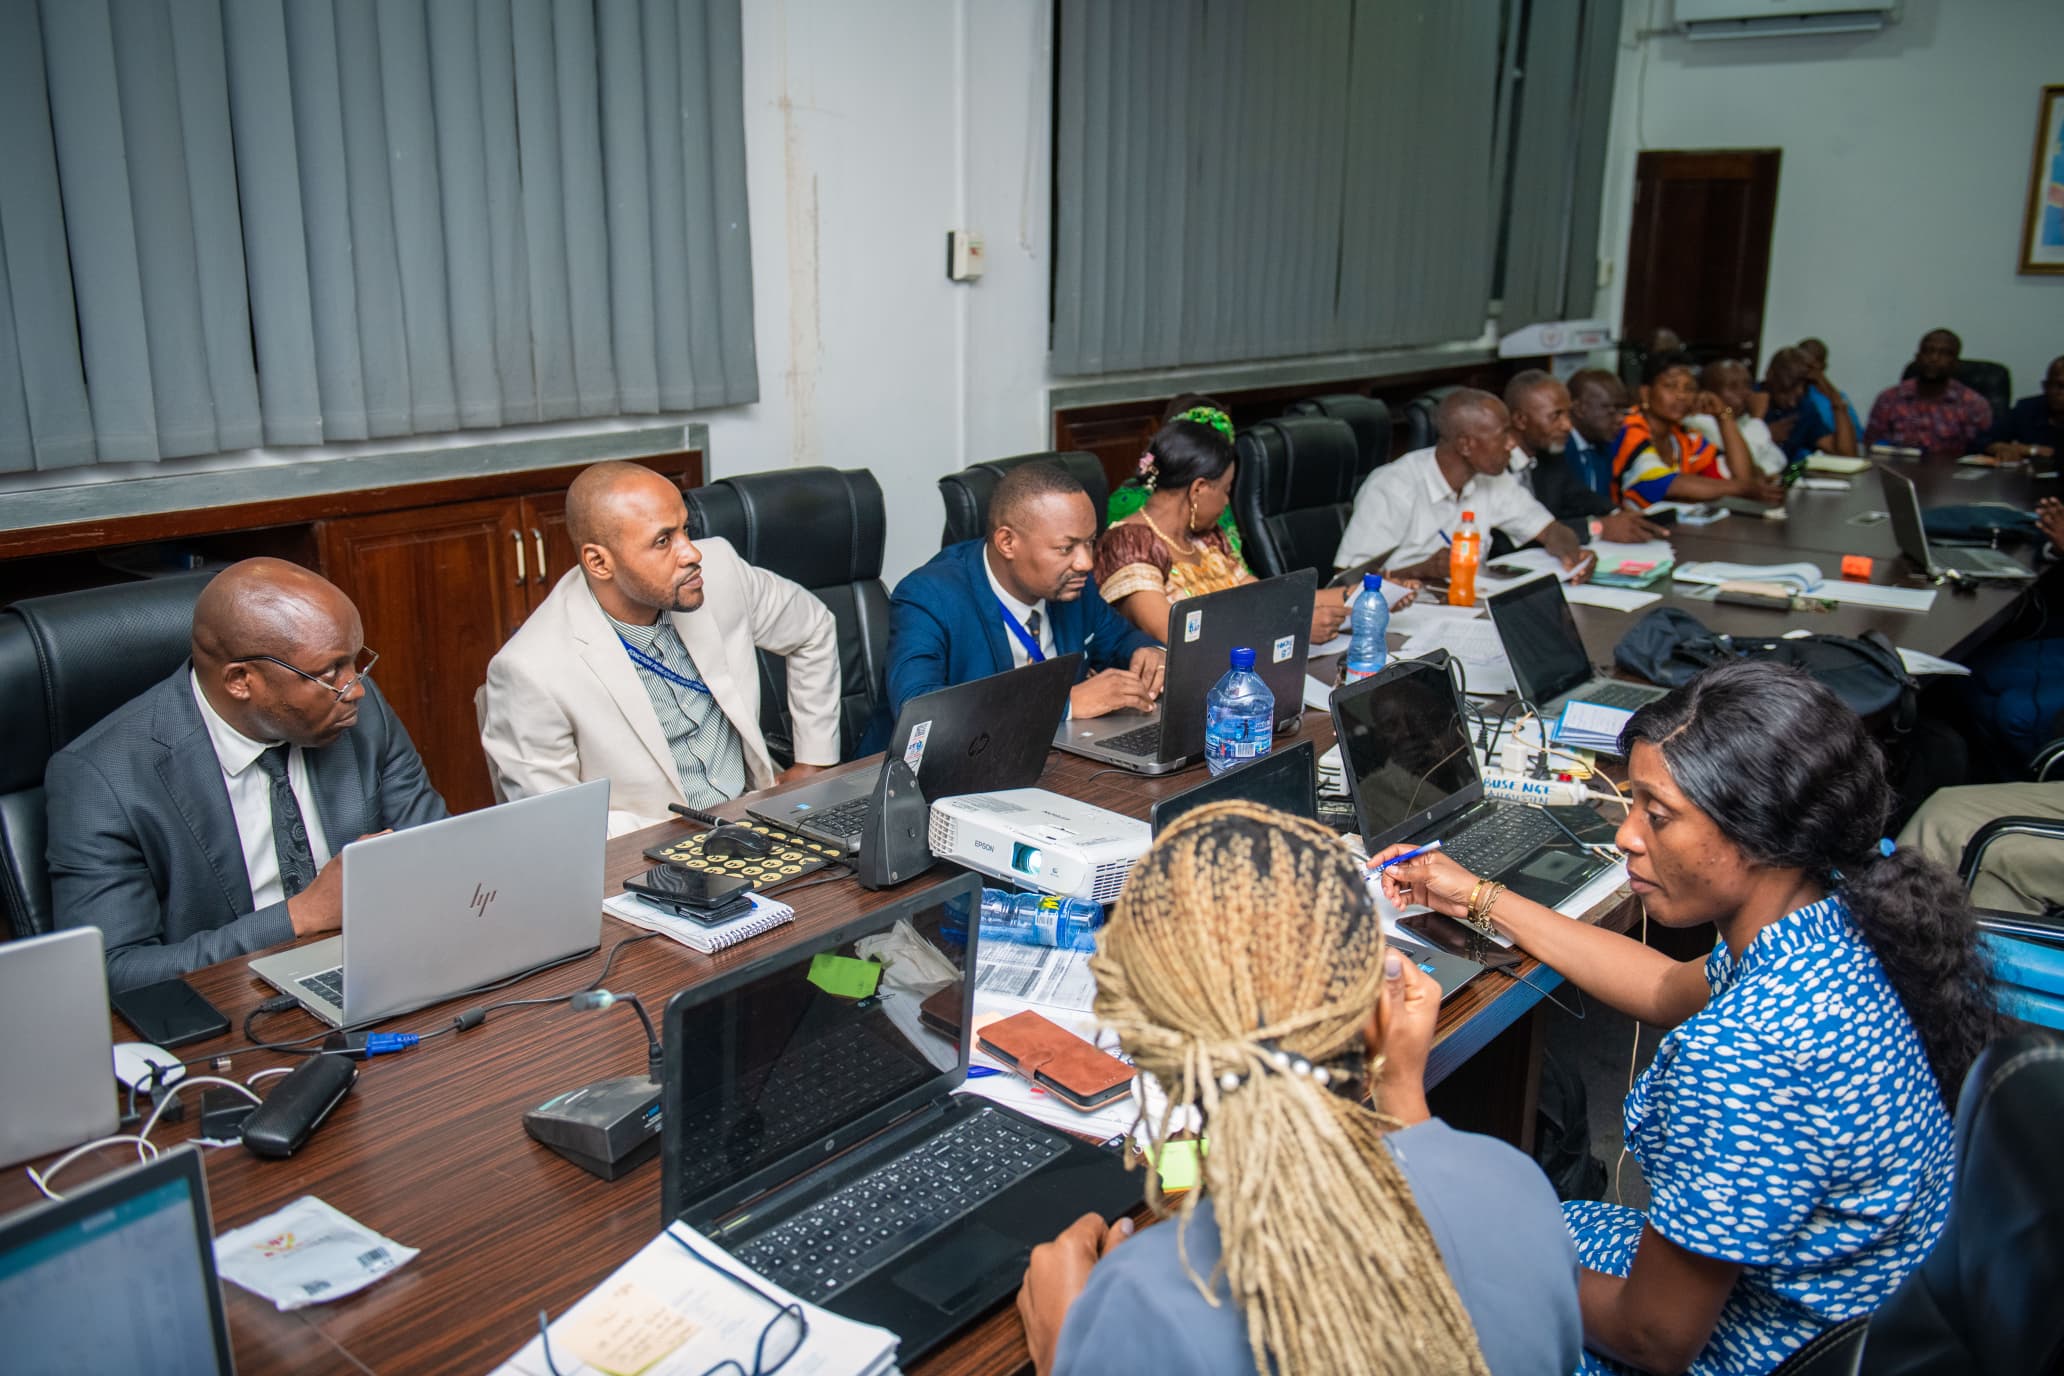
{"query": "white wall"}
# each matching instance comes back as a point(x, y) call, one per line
point(870, 131)
point(1905, 172)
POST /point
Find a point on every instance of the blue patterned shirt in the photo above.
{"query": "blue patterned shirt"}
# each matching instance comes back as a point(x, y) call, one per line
point(1794, 1125)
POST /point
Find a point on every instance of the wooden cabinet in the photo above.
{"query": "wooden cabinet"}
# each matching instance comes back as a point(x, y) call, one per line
point(442, 573)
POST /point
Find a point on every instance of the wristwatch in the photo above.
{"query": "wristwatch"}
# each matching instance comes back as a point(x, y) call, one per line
point(1597, 528)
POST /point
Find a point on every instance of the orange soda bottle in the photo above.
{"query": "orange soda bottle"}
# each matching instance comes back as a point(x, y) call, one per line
point(1463, 556)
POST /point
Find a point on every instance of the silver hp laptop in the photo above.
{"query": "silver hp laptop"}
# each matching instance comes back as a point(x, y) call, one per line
point(119, 1275)
point(1904, 504)
point(1404, 745)
point(439, 909)
point(811, 1128)
point(57, 1082)
point(1547, 655)
point(1272, 617)
point(976, 737)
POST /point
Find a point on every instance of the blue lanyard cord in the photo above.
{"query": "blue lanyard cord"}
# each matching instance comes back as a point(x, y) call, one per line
point(653, 666)
point(1025, 637)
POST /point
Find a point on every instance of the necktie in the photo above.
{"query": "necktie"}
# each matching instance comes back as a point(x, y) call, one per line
point(289, 833)
point(1032, 624)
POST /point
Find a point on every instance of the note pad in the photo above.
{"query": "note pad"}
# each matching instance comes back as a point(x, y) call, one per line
point(1591, 726)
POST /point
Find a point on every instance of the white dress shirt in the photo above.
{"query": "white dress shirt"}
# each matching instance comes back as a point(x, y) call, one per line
point(1404, 508)
point(1755, 432)
point(250, 800)
point(1023, 612)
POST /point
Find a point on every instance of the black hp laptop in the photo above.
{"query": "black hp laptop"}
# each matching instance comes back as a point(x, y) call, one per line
point(975, 737)
point(117, 1277)
point(1404, 746)
point(1272, 618)
point(1549, 662)
point(815, 1135)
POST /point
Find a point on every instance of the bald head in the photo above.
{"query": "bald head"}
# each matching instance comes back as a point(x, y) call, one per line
point(606, 493)
point(1467, 412)
point(269, 607)
point(629, 527)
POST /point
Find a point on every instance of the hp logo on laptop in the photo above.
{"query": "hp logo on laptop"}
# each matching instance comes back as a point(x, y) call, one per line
point(481, 898)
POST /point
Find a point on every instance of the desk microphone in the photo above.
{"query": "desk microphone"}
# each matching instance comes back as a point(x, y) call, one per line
point(611, 1126)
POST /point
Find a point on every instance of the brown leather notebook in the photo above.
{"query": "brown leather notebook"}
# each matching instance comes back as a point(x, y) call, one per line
point(1076, 1072)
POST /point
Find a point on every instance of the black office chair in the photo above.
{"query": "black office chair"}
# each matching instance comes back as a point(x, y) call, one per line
point(1293, 492)
point(1989, 380)
point(1366, 416)
point(824, 528)
point(1984, 1302)
point(967, 492)
point(66, 661)
point(1419, 412)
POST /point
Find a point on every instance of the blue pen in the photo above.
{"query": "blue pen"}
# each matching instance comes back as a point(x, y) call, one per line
point(1450, 544)
point(1408, 855)
point(983, 1072)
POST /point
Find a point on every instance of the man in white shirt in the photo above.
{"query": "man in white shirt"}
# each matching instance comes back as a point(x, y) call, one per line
point(201, 820)
point(1407, 509)
point(642, 665)
point(1729, 380)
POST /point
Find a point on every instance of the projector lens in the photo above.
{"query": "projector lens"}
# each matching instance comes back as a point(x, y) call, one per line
point(1025, 859)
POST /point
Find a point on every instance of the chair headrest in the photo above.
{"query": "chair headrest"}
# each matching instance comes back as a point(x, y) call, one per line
point(1298, 462)
point(820, 527)
point(97, 648)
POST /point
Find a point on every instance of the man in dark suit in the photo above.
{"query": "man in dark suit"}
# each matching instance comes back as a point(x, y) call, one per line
point(202, 820)
point(1023, 593)
point(1542, 422)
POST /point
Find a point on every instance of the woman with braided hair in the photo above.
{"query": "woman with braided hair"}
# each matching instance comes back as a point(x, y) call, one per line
point(1794, 1128)
point(1245, 968)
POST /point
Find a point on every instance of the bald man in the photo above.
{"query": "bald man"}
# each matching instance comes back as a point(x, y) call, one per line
point(641, 666)
point(202, 820)
point(1405, 507)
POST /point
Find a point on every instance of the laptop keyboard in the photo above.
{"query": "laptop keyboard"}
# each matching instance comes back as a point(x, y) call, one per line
point(848, 820)
point(328, 984)
point(1500, 839)
point(1143, 741)
point(848, 1233)
point(1617, 695)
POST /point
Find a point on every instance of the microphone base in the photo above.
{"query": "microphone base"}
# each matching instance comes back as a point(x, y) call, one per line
point(608, 1128)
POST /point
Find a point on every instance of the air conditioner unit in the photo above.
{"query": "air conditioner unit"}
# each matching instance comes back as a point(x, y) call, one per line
point(1781, 18)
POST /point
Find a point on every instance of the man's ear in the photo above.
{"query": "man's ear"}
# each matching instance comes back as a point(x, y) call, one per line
point(1005, 541)
point(596, 561)
point(236, 681)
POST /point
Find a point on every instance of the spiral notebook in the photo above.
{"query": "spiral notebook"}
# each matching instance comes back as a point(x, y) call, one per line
point(766, 915)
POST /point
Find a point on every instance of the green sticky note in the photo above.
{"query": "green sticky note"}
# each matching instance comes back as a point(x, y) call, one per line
point(1182, 1163)
point(844, 976)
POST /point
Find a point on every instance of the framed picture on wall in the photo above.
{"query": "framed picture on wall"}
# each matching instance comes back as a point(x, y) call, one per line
point(2042, 231)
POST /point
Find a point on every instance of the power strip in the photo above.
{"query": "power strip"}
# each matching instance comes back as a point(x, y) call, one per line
point(1518, 788)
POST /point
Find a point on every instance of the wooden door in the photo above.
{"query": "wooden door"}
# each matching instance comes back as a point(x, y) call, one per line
point(439, 588)
point(1698, 258)
point(552, 553)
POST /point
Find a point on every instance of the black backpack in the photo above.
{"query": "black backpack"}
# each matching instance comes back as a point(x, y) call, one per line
point(1670, 646)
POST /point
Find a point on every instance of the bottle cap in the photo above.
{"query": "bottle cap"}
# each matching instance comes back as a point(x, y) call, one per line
point(1371, 582)
point(1243, 658)
point(1469, 516)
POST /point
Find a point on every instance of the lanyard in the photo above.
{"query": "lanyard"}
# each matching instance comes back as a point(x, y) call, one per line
point(651, 665)
point(1025, 637)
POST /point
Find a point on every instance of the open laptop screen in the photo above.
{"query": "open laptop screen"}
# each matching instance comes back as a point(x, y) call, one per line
point(1285, 779)
point(1540, 639)
point(1903, 503)
point(1404, 743)
point(794, 1059)
point(117, 1277)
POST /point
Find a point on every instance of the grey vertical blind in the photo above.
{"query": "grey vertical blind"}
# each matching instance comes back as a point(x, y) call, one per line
point(1558, 169)
point(1248, 180)
point(227, 222)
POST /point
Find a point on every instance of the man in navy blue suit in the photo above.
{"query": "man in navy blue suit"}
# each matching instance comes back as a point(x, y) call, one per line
point(1022, 594)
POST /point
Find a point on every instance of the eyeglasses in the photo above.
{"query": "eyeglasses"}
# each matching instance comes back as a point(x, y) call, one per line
point(780, 1339)
point(361, 667)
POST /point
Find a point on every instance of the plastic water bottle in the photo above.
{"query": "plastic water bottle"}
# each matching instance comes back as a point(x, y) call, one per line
point(1463, 556)
point(1239, 716)
point(1040, 919)
point(1370, 620)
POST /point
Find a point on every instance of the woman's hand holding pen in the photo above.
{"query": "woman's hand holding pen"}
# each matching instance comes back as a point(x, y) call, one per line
point(1430, 880)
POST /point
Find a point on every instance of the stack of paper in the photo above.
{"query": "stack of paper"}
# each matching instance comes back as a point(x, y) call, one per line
point(1834, 463)
point(1807, 578)
point(664, 1313)
point(1591, 726)
point(1476, 644)
point(1632, 566)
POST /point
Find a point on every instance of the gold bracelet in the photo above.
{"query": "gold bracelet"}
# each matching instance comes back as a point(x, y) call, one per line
point(1480, 911)
point(1469, 908)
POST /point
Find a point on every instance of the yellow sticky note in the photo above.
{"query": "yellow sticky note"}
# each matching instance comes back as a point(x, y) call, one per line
point(844, 976)
point(1182, 1163)
point(622, 1330)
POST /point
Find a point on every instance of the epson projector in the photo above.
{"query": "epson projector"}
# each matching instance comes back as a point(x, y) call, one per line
point(1040, 840)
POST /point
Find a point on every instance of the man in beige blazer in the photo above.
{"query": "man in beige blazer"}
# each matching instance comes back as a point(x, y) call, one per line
point(640, 667)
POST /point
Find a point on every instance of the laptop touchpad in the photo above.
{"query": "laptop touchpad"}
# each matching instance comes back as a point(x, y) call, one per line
point(947, 1275)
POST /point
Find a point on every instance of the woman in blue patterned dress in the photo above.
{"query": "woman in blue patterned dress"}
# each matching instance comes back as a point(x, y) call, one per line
point(1794, 1128)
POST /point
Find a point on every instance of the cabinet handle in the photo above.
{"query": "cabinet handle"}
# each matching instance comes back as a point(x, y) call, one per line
point(539, 537)
point(517, 536)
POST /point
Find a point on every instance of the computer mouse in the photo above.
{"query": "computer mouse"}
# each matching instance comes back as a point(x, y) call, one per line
point(734, 842)
point(134, 1062)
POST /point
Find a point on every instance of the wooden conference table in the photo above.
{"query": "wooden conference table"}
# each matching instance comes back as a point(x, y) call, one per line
point(429, 1147)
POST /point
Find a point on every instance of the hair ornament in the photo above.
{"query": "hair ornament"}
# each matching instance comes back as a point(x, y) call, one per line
point(1886, 846)
point(1147, 472)
point(1211, 416)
